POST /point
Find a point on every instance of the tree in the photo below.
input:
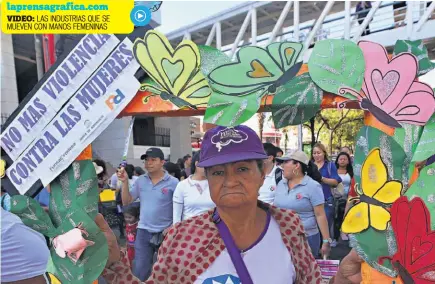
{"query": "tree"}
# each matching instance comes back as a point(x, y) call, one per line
point(261, 118)
point(339, 127)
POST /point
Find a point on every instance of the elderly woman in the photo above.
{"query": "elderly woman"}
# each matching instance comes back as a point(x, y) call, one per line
point(299, 192)
point(242, 239)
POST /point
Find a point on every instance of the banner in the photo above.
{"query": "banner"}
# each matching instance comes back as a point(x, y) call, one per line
point(82, 119)
point(63, 82)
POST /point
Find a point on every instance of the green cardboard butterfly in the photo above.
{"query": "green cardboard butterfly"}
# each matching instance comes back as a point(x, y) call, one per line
point(257, 69)
point(255, 73)
point(176, 73)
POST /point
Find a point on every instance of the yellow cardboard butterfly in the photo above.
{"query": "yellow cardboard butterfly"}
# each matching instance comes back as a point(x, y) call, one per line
point(175, 73)
point(375, 195)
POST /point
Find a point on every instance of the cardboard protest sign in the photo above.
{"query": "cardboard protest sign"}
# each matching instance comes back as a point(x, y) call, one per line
point(95, 105)
point(55, 91)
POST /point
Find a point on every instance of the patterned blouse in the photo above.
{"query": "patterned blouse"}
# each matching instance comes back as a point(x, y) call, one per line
point(191, 246)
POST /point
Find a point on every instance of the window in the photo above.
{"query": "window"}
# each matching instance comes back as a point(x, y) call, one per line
point(146, 134)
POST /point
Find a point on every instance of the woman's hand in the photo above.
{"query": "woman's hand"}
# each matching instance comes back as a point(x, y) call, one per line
point(114, 252)
point(325, 250)
point(349, 270)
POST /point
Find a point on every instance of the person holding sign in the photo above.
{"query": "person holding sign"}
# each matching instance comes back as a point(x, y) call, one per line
point(155, 191)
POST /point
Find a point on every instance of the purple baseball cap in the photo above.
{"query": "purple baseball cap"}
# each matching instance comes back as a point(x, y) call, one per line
point(223, 145)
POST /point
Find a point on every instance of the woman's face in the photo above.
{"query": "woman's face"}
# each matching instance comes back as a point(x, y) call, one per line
point(235, 184)
point(343, 161)
point(289, 168)
point(318, 155)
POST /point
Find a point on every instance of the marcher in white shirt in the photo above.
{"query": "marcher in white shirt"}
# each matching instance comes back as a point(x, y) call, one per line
point(192, 195)
point(273, 175)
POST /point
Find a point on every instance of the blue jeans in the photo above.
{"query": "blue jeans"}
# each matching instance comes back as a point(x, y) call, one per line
point(330, 212)
point(144, 255)
point(314, 243)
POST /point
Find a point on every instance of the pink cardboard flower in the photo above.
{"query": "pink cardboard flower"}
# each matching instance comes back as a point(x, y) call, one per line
point(391, 94)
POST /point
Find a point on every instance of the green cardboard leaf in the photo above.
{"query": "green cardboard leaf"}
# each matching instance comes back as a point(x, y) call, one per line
point(33, 215)
point(231, 111)
point(425, 146)
point(419, 50)
point(407, 137)
point(371, 243)
point(211, 58)
point(337, 63)
point(296, 102)
point(424, 187)
point(392, 153)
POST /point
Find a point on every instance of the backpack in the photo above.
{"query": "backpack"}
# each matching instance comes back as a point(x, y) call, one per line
point(278, 175)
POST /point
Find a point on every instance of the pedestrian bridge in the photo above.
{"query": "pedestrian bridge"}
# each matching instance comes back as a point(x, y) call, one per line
point(260, 23)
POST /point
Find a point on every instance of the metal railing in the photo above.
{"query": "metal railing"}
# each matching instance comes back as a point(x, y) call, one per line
point(384, 18)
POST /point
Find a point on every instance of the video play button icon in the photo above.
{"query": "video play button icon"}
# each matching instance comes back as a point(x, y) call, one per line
point(140, 16)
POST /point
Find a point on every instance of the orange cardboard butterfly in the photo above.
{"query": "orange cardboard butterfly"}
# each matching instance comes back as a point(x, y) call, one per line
point(415, 256)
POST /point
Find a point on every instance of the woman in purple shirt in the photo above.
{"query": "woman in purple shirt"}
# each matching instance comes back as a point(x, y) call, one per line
point(330, 178)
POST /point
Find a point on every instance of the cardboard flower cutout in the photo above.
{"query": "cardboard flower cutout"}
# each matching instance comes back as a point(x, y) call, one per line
point(415, 255)
point(390, 91)
point(175, 73)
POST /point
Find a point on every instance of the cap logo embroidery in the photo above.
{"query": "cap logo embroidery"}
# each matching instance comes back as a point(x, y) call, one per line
point(227, 136)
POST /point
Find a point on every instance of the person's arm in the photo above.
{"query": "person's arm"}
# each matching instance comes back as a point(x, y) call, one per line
point(127, 195)
point(349, 270)
point(117, 268)
point(322, 222)
point(334, 179)
point(178, 204)
point(317, 200)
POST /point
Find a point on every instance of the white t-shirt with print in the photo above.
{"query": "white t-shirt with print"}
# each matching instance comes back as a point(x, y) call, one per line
point(267, 190)
point(268, 261)
point(191, 198)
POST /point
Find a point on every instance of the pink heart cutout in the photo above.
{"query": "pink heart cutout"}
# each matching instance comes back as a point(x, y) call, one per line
point(384, 85)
